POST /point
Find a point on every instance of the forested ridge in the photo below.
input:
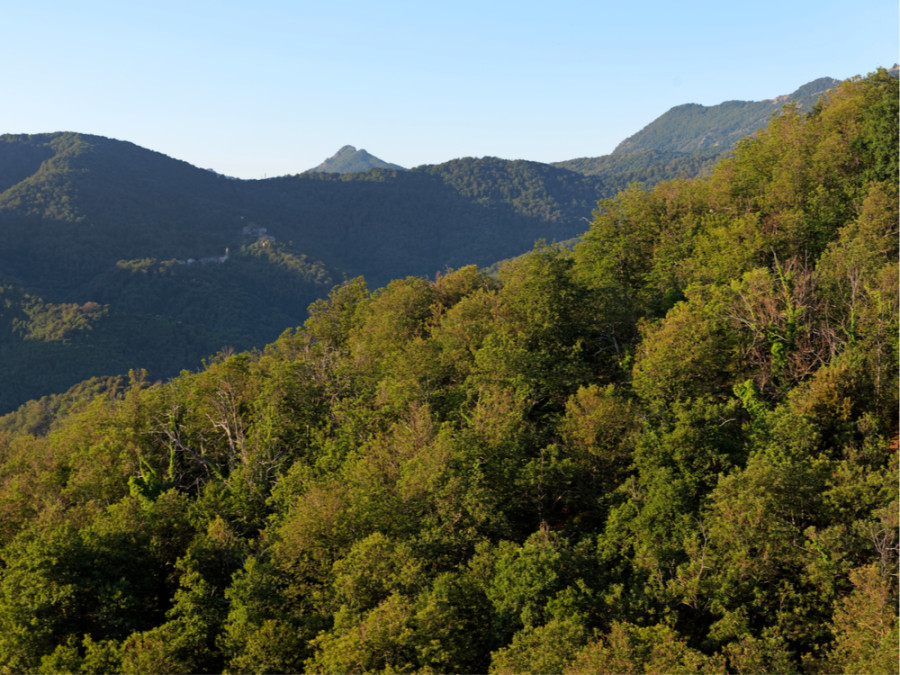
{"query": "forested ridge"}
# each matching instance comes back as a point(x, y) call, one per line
point(92, 222)
point(673, 449)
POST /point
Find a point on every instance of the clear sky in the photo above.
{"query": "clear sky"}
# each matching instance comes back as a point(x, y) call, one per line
point(272, 87)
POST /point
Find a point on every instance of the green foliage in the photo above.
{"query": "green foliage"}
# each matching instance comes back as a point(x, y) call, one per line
point(688, 354)
point(184, 643)
point(103, 582)
point(634, 649)
point(865, 625)
point(543, 649)
point(263, 632)
point(544, 319)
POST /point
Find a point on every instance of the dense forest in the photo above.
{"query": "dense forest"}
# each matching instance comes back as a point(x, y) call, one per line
point(672, 449)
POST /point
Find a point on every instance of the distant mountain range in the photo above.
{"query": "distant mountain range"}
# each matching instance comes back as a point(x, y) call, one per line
point(116, 257)
point(350, 160)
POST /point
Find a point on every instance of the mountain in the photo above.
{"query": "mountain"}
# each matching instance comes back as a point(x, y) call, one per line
point(118, 257)
point(687, 140)
point(697, 128)
point(350, 160)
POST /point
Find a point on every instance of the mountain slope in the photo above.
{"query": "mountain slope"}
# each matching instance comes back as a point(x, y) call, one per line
point(688, 139)
point(693, 127)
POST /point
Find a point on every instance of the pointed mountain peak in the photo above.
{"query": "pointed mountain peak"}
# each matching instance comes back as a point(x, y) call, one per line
point(350, 160)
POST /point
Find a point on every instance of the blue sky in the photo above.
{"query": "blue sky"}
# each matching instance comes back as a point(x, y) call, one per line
point(274, 87)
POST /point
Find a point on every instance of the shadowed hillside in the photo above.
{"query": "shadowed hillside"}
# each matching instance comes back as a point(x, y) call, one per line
point(231, 263)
